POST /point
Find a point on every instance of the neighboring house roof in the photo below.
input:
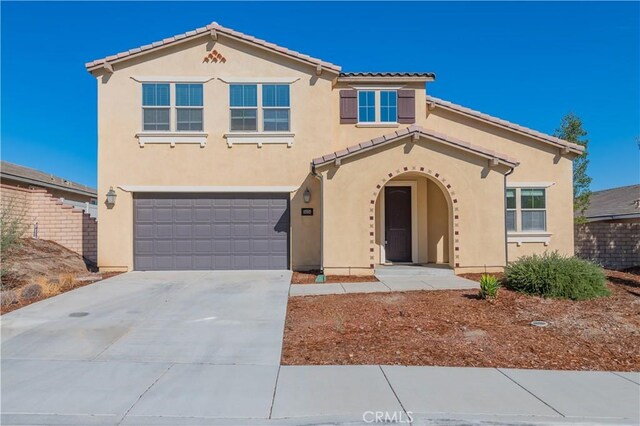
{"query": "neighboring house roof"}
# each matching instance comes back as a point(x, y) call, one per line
point(561, 143)
point(415, 131)
point(614, 203)
point(35, 177)
point(213, 30)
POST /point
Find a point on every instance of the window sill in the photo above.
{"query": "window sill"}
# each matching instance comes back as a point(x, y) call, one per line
point(172, 138)
point(259, 138)
point(380, 125)
point(529, 237)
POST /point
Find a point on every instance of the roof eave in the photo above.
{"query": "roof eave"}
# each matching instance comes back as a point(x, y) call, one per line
point(208, 31)
point(499, 160)
point(569, 147)
point(52, 185)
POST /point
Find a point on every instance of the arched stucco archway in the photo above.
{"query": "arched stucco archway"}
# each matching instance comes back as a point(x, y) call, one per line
point(435, 216)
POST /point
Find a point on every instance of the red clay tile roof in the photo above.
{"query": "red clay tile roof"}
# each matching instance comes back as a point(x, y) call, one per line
point(578, 149)
point(429, 75)
point(410, 131)
point(219, 29)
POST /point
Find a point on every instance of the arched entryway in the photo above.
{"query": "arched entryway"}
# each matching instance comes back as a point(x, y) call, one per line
point(414, 220)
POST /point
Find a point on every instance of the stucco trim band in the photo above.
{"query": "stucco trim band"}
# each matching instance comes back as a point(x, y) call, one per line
point(171, 188)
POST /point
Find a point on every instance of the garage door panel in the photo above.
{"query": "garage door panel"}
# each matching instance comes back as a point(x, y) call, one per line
point(211, 231)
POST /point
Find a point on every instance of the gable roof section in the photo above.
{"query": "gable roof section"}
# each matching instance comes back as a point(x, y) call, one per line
point(614, 203)
point(543, 137)
point(213, 30)
point(37, 178)
point(414, 131)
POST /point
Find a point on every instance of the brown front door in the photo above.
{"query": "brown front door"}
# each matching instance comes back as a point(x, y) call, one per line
point(397, 223)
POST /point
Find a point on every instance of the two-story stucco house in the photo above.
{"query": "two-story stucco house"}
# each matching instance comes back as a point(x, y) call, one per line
point(229, 152)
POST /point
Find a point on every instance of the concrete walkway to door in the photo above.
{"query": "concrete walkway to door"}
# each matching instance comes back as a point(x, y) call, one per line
point(393, 278)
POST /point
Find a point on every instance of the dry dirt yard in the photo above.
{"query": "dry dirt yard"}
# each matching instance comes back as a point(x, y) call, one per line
point(309, 277)
point(455, 328)
point(39, 269)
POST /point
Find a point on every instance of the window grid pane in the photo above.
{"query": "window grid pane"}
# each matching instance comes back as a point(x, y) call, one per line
point(244, 119)
point(188, 94)
point(275, 95)
point(243, 95)
point(189, 119)
point(511, 220)
point(155, 94)
point(534, 220)
point(511, 198)
point(532, 198)
point(156, 118)
point(276, 120)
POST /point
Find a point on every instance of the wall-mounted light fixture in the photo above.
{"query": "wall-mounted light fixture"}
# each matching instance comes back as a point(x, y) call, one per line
point(111, 197)
point(306, 196)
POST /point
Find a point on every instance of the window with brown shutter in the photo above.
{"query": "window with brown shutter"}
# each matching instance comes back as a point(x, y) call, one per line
point(406, 106)
point(348, 106)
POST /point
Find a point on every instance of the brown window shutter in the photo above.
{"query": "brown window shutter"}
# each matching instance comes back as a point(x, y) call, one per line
point(406, 106)
point(348, 106)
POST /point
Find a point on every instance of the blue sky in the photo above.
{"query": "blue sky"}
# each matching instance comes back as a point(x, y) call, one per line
point(529, 63)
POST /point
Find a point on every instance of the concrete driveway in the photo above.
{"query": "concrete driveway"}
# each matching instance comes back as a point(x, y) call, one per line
point(96, 350)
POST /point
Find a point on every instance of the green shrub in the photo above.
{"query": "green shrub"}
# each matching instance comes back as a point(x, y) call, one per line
point(553, 275)
point(12, 225)
point(489, 286)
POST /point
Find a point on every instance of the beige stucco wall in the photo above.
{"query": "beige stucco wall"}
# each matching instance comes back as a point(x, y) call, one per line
point(315, 122)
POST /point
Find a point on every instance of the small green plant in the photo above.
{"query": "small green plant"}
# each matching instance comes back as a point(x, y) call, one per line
point(489, 286)
point(12, 225)
point(554, 275)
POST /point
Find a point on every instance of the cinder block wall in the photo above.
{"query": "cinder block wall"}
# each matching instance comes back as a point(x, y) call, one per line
point(49, 219)
point(613, 245)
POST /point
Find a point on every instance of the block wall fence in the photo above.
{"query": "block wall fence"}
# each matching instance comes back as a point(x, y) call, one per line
point(47, 218)
point(613, 245)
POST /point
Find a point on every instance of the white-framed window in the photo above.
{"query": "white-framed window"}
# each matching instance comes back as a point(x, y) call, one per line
point(189, 106)
point(157, 106)
point(377, 106)
point(243, 101)
point(274, 114)
point(526, 209)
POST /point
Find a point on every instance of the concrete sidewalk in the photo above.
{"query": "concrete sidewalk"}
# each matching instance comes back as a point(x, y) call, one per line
point(96, 392)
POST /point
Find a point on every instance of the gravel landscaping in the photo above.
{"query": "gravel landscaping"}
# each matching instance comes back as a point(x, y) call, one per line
point(309, 277)
point(456, 328)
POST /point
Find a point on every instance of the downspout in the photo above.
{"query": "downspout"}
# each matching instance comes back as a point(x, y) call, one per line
point(506, 230)
point(319, 177)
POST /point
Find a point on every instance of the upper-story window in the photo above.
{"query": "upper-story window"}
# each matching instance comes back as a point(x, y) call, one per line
point(274, 114)
point(189, 107)
point(156, 106)
point(377, 106)
point(244, 107)
point(526, 209)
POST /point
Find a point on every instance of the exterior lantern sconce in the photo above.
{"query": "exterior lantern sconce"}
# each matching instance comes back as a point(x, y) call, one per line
point(111, 197)
point(306, 196)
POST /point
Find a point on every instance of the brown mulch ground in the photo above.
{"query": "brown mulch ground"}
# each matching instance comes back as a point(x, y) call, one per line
point(309, 277)
point(42, 261)
point(455, 328)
